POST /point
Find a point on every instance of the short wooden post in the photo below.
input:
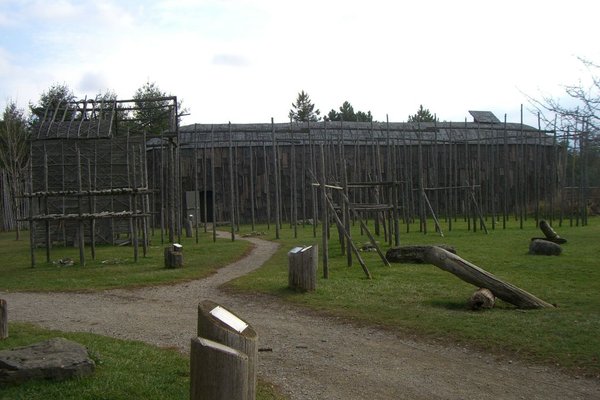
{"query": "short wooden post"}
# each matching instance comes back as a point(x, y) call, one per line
point(302, 268)
point(174, 256)
point(217, 372)
point(220, 325)
point(3, 319)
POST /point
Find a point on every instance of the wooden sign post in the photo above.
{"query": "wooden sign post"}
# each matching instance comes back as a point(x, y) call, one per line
point(217, 324)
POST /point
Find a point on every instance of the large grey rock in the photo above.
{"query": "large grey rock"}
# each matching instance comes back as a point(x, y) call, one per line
point(55, 359)
point(544, 247)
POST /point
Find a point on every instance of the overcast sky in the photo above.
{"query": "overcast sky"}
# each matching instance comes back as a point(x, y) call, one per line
point(246, 60)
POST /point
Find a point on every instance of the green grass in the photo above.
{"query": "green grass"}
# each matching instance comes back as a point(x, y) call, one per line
point(124, 370)
point(426, 301)
point(113, 267)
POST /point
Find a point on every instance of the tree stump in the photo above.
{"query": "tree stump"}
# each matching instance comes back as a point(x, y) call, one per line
point(302, 268)
point(174, 256)
point(544, 248)
point(482, 298)
point(412, 254)
point(219, 325)
point(3, 319)
point(476, 276)
point(217, 372)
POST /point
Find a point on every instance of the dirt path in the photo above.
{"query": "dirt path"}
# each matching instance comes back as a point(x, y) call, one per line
point(312, 357)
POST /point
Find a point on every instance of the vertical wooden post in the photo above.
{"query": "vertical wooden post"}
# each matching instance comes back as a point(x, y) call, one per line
point(80, 233)
point(276, 177)
point(294, 201)
point(231, 186)
point(302, 268)
point(46, 209)
point(324, 221)
point(252, 192)
point(220, 325)
point(217, 372)
point(214, 186)
point(196, 186)
point(3, 319)
point(267, 184)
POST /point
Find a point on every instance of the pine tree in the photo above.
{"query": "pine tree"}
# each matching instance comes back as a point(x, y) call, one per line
point(303, 109)
point(423, 115)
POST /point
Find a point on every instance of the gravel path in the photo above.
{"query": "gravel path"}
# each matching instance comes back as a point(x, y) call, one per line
point(312, 357)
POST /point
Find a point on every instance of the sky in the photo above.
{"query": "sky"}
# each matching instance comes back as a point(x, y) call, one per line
point(245, 61)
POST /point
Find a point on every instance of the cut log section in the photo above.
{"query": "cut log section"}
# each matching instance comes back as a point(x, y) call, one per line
point(474, 275)
point(412, 254)
point(482, 299)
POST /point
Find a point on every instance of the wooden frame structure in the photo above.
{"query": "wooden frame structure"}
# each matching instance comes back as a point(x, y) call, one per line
point(88, 175)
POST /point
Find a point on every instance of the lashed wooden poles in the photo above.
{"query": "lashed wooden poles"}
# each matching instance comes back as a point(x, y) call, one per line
point(351, 244)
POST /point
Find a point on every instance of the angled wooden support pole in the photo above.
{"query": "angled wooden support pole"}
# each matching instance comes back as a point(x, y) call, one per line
point(474, 275)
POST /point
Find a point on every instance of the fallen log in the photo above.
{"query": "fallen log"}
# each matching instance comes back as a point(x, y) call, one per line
point(482, 298)
point(474, 275)
point(550, 233)
point(412, 254)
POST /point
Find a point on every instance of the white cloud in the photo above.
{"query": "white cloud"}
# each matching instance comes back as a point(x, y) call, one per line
point(387, 57)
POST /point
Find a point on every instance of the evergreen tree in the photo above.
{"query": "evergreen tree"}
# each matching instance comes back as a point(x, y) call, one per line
point(55, 103)
point(303, 109)
point(347, 113)
point(153, 113)
point(423, 115)
point(14, 155)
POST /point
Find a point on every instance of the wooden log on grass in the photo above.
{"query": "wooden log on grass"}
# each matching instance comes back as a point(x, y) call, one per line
point(302, 268)
point(482, 298)
point(414, 254)
point(3, 319)
point(550, 234)
point(217, 372)
point(474, 275)
point(220, 325)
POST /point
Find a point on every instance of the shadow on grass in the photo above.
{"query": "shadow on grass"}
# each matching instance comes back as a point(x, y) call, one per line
point(449, 305)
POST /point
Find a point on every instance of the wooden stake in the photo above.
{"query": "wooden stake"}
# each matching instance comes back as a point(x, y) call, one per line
point(3, 319)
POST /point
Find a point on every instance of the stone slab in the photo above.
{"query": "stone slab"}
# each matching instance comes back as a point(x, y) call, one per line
point(54, 359)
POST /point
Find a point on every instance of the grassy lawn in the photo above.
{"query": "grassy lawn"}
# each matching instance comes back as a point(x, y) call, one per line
point(426, 301)
point(113, 267)
point(124, 370)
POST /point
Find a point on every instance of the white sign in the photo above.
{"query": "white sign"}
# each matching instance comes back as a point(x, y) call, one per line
point(229, 319)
